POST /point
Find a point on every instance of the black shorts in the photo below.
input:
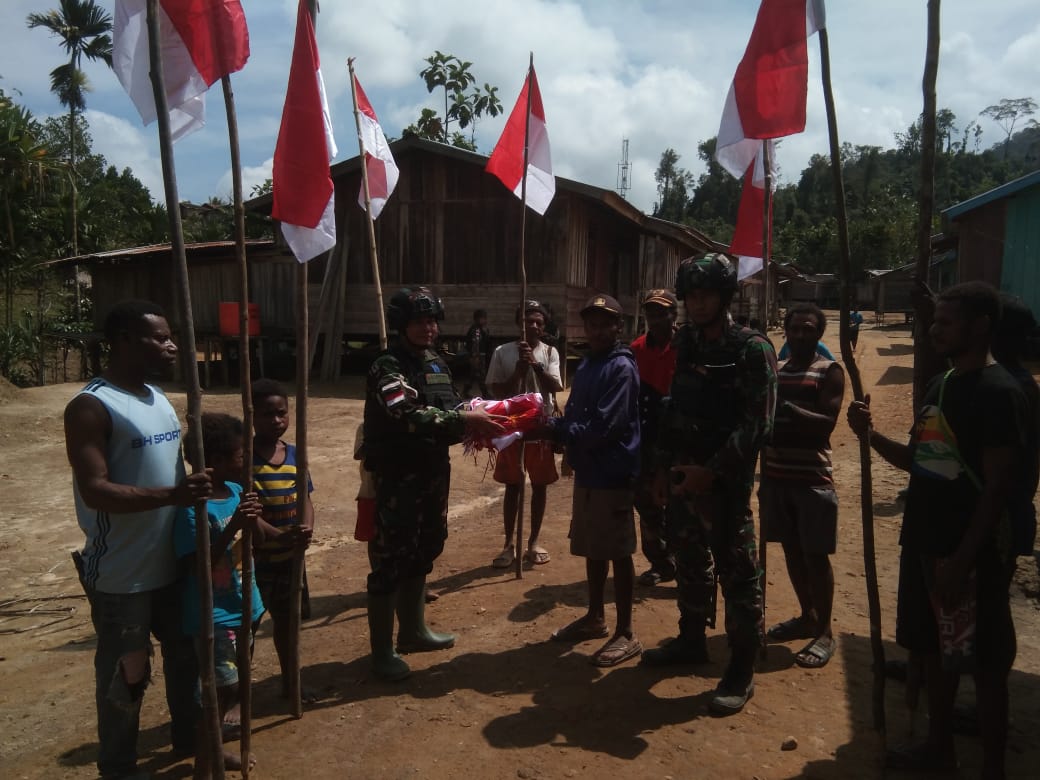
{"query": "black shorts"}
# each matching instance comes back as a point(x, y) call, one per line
point(916, 627)
point(274, 581)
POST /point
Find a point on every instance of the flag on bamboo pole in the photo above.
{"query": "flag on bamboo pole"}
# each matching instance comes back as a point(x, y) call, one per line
point(747, 237)
point(767, 96)
point(304, 197)
point(201, 40)
point(382, 170)
point(507, 160)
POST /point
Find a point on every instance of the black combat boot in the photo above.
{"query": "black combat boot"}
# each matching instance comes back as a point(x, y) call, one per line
point(690, 647)
point(737, 685)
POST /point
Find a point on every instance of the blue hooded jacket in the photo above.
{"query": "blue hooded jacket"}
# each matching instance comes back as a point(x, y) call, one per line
point(600, 424)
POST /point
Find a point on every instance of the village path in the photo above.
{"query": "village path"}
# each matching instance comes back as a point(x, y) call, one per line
point(505, 702)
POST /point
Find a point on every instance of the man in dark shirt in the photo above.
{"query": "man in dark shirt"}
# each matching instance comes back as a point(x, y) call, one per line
point(953, 568)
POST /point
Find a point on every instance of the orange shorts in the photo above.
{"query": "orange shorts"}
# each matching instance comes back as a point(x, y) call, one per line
point(539, 461)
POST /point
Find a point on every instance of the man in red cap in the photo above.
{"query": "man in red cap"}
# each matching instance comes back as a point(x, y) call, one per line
point(655, 359)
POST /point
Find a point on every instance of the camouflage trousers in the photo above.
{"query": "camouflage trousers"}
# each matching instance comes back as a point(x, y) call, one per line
point(411, 526)
point(651, 530)
point(714, 536)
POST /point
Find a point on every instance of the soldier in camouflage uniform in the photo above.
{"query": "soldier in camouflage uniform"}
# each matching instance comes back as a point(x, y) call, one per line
point(719, 413)
point(409, 425)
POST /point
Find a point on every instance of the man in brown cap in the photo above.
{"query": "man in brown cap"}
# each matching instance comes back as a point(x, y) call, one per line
point(655, 359)
point(600, 428)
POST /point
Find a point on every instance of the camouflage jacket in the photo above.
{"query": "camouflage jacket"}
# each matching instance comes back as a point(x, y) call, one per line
point(409, 411)
point(723, 398)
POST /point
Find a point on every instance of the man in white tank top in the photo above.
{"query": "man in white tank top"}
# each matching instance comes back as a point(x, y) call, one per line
point(123, 442)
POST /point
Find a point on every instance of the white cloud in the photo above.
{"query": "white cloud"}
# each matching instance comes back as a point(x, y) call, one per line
point(655, 72)
point(126, 145)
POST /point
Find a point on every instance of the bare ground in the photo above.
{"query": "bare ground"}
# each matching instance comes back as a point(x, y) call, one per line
point(505, 702)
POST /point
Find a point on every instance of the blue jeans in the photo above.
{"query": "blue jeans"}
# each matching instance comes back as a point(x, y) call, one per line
point(124, 623)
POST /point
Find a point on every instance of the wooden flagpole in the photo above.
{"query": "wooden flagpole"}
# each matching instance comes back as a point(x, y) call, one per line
point(245, 643)
point(849, 358)
point(767, 240)
point(213, 752)
point(519, 559)
point(374, 254)
point(302, 388)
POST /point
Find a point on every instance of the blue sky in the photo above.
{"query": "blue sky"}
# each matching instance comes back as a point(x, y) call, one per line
point(655, 73)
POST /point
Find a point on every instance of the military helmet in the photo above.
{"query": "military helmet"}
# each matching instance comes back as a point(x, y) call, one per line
point(713, 271)
point(408, 304)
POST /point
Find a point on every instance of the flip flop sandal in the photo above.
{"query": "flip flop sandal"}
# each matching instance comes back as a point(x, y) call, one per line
point(505, 559)
point(537, 556)
point(794, 628)
point(616, 651)
point(919, 758)
point(580, 631)
point(816, 654)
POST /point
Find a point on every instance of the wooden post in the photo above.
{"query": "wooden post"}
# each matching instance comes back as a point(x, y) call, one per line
point(926, 362)
point(213, 751)
point(245, 644)
point(848, 357)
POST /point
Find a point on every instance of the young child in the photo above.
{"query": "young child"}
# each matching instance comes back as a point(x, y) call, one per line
point(228, 510)
point(285, 527)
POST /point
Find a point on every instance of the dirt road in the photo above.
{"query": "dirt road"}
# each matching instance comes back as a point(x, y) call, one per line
point(505, 702)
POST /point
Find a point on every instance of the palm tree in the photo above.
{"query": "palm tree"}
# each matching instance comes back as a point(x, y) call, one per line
point(23, 164)
point(83, 28)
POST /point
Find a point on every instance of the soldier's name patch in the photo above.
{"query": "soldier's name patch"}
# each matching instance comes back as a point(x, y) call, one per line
point(438, 379)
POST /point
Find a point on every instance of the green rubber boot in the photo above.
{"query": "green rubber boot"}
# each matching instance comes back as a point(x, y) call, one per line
point(414, 635)
point(386, 664)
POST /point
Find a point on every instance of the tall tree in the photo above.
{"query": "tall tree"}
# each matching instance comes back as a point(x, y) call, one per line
point(673, 185)
point(1007, 112)
point(448, 72)
point(83, 29)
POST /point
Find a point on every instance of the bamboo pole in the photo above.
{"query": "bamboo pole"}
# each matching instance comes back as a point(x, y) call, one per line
point(245, 644)
point(374, 254)
point(213, 752)
point(848, 357)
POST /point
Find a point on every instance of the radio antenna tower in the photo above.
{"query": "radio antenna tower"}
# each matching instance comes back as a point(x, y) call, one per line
point(623, 182)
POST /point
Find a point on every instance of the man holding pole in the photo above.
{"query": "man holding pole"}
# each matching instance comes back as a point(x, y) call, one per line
point(720, 412)
point(528, 366)
point(409, 425)
point(955, 561)
point(124, 445)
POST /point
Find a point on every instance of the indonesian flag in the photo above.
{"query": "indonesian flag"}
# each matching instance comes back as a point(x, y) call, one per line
point(201, 41)
point(304, 198)
point(747, 238)
point(382, 170)
point(507, 160)
point(767, 96)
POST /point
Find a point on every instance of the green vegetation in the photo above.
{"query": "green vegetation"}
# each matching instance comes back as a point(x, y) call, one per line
point(880, 188)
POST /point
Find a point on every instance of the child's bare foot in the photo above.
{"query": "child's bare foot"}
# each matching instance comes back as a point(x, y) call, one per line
point(233, 760)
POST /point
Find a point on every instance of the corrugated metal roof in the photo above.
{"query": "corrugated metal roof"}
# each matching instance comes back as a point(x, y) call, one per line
point(997, 193)
point(194, 251)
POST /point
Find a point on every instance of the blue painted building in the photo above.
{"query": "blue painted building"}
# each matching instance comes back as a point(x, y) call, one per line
point(998, 238)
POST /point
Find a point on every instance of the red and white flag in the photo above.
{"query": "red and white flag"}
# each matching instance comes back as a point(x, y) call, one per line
point(747, 237)
point(382, 170)
point(201, 41)
point(767, 96)
point(304, 197)
point(507, 160)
